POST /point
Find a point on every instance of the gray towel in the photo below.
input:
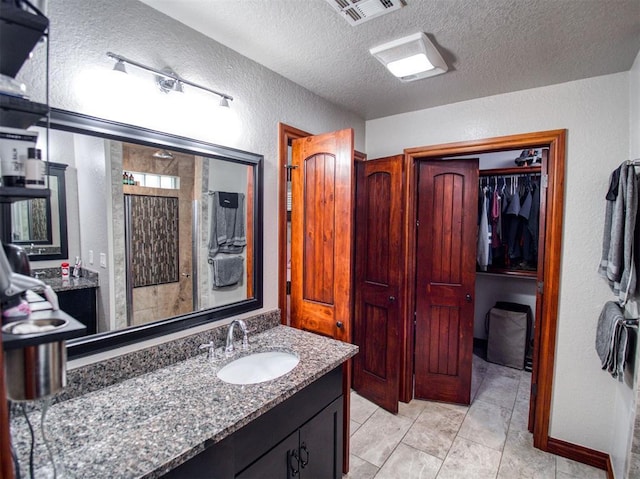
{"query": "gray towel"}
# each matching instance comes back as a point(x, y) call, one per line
point(617, 264)
point(226, 270)
point(611, 339)
point(226, 226)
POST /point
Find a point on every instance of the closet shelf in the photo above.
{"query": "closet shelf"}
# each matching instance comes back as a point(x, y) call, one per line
point(533, 274)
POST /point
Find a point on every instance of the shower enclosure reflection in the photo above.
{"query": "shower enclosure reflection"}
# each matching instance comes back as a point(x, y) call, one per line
point(157, 236)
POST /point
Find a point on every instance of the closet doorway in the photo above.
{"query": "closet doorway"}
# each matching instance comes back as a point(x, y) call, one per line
point(548, 266)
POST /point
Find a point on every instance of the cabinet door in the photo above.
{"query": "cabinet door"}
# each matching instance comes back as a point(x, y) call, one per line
point(321, 444)
point(81, 304)
point(280, 462)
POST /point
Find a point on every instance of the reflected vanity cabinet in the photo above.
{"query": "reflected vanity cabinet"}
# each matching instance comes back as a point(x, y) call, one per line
point(20, 33)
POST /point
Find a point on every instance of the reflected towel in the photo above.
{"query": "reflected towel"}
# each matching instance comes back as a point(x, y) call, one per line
point(226, 270)
point(226, 225)
point(611, 339)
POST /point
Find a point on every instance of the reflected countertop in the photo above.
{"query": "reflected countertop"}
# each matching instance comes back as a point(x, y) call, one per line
point(51, 276)
point(147, 425)
point(58, 284)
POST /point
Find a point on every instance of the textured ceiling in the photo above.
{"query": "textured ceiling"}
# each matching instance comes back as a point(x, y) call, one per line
point(491, 46)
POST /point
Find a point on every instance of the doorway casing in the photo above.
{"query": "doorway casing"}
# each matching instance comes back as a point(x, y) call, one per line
point(547, 297)
point(548, 293)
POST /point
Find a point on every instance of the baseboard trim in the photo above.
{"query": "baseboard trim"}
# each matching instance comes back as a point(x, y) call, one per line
point(609, 469)
point(582, 454)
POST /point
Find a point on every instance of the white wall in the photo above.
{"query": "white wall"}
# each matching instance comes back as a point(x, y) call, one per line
point(628, 422)
point(491, 288)
point(81, 34)
point(596, 114)
point(92, 208)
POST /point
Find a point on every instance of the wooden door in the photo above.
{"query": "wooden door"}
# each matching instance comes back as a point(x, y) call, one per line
point(322, 234)
point(445, 278)
point(379, 256)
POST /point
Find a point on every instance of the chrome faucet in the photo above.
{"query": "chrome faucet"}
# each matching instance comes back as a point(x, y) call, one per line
point(228, 350)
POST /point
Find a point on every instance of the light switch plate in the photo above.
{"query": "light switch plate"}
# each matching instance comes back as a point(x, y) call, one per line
point(103, 260)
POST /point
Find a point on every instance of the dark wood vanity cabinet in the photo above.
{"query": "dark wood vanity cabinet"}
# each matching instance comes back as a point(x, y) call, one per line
point(81, 304)
point(299, 438)
point(309, 452)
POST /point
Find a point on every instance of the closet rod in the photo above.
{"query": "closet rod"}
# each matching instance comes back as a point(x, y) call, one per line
point(522, 170)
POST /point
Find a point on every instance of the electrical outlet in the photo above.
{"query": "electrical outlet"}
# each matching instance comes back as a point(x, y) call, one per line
point(90, 256)
point(103, 260)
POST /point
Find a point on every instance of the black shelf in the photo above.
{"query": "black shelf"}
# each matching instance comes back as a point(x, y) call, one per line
point(20, 31)
point(11, 194)
point(20, 113)
point(72, 329)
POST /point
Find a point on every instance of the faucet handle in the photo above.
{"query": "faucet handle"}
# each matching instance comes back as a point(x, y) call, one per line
point(211, 350)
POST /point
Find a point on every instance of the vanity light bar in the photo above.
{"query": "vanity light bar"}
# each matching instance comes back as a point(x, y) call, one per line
point(167, 74)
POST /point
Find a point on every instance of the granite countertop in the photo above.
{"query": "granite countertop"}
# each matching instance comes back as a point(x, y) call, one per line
point(145, 426)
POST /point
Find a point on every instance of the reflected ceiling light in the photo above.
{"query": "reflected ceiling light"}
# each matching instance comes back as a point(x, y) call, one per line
point(163, 154)
point(410, 58)
point(166, 79)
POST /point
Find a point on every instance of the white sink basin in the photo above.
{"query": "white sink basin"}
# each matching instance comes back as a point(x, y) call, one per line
point(258, 367)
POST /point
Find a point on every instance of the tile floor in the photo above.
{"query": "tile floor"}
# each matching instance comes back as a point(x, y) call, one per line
point(430, 440)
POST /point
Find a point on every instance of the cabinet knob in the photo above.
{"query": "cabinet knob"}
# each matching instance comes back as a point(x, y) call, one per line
point(340, 324)
point(467, 298)
point(392, 298)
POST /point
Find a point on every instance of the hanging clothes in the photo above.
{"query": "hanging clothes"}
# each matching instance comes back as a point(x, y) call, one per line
point(512, 218)
point(482, 251)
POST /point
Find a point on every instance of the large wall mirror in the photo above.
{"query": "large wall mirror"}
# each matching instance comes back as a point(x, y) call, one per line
point(172, 227)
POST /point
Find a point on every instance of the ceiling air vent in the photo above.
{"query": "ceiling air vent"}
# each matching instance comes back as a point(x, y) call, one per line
point(359, 11)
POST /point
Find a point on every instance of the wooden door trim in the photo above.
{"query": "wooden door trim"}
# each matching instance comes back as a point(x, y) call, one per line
point(544, 350)
point(286, 134)
point(6, 463)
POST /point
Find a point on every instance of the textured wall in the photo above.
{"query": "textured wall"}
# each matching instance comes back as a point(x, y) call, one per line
point(81, 34)
point(596, 114)
point(634, 152)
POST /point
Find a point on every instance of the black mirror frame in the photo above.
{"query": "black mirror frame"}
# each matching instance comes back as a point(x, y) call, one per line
point(88, 125)
point(57, 170)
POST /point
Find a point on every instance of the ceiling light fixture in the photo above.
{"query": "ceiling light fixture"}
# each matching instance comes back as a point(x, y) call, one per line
point(166, 79)
point(410, 58)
